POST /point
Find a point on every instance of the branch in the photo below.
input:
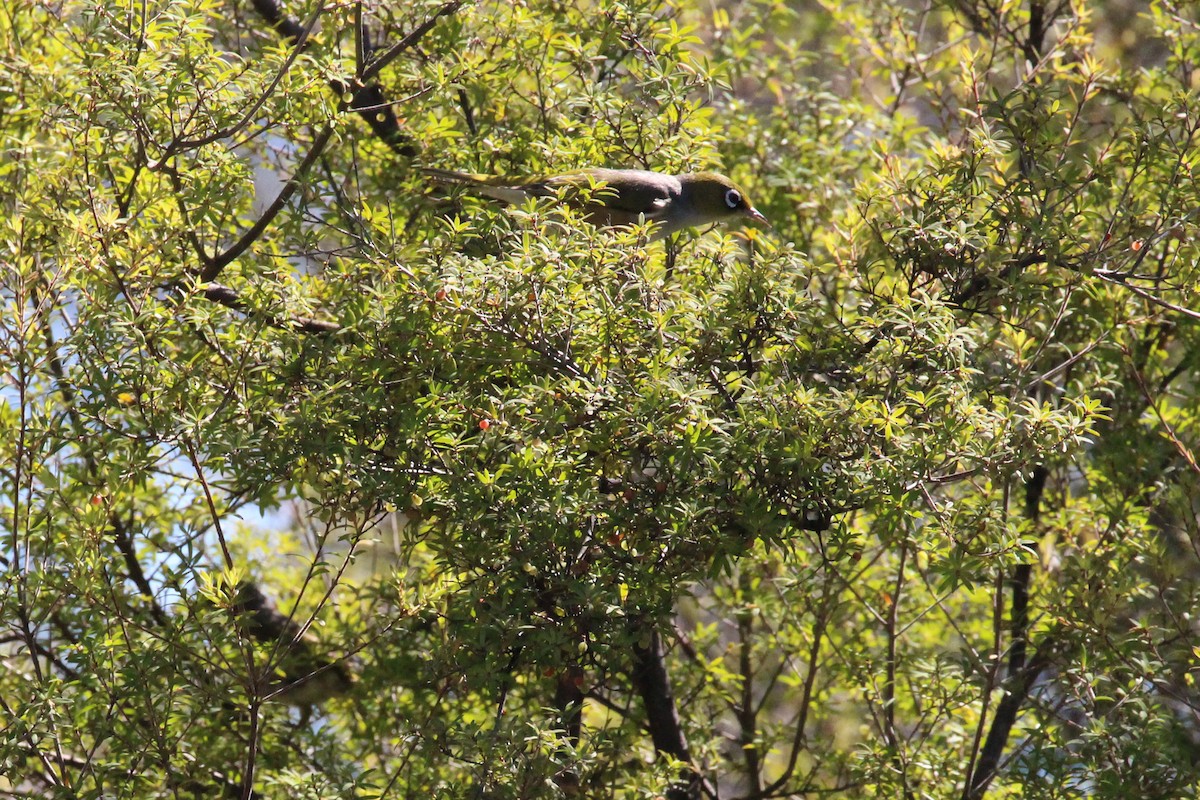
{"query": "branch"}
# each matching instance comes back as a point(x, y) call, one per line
point(1115, 278)
point(301, 675)
point(1033, 44)
point(653, 685)
point(810, 680)
point(388, 56)
point(370, 103)
point(229, 298)
point(124, 541)
point(744, 709)
point(1181, 449)
point(1034, 488)
point(1006, 717)
point(285, 26)
point(133, 567)
point(218, 263)
point(568, 699)
point(1022, 675)
point(299, 39)
point(367, 98)
point(122, 536)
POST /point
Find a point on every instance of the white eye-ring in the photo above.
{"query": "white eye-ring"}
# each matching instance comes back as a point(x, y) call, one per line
point(733, 198)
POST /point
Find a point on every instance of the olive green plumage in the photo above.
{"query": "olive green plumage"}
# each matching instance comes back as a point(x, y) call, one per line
point(624, 196)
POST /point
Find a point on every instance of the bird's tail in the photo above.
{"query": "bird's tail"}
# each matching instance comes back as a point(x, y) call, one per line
point(505, 189)
point(501, 188)
point(457, 178)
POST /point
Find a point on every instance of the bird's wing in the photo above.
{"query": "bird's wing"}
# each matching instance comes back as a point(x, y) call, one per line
point(632, 198)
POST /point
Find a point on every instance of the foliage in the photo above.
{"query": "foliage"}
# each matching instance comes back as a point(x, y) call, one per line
point(898, 498)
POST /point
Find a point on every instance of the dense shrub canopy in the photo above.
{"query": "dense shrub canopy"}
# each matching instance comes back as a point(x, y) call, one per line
point(896, 498)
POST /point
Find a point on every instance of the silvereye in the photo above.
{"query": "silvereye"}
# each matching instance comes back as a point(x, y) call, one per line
point(303, 677)
point(627, 196)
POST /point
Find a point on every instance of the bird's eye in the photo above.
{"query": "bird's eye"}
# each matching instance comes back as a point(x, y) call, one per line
point(733, 198)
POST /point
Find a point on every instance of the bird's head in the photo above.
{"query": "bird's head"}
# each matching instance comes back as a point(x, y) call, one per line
point(715, 198)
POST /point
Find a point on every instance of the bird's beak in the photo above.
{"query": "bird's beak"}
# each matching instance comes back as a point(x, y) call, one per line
point(756, 215)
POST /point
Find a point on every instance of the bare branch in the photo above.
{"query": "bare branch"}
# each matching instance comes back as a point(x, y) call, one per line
point(388, 56)
point(1022, 675)
point(229, 298)
point(218, 263)
point(653, 685)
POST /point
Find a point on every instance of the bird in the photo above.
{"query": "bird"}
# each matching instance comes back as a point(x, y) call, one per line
point(624, 197)
point(302, 677)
